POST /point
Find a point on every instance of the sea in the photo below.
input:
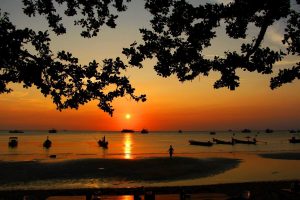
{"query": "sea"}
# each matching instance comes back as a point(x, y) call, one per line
point(74, 145)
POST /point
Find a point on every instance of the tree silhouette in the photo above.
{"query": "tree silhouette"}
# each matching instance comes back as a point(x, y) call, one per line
point(180, 32)
point(61, 76)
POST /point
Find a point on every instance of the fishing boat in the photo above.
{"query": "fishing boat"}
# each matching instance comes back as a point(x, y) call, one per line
point(293, 140)
point(144, 131)
point(127, 131)
point(13, 142)
point(16, 131)
point(246, 130)
point(200, 143)
point(52, 130)
point(212, 133)
point(179, 131)
point(103, 143)
point(47, 144)
point(217, 141)
point(269, 130)
point(237, 141)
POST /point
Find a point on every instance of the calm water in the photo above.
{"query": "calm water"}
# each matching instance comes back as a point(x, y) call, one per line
point(71, 144)
point(83, 144)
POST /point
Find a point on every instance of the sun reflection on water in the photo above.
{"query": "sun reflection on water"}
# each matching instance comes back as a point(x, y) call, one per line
point(125, 197)
point(127, 146)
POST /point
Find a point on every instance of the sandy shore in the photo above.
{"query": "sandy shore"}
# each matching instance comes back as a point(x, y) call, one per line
point(274, 190)
point(150, 169)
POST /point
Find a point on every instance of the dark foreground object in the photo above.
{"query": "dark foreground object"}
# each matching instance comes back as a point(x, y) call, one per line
point(259, 190)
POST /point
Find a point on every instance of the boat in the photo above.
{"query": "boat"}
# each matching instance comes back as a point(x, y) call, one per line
point(102, 143)
point(293, 140)
point(52, 156)
point(144, 131)
point(292, 131)
point(269, 130)
point(179, 131)
point(13, 142)
point(237, 141)
point(200, 143)
point(127, 131)
point(212, 133)
point(52, 130)
point(47, 144)
point(16, 131)
point(217, 141)
point(246, 130)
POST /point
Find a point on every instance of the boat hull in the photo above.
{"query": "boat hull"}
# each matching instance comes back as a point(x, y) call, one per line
point(223, 142)
point(294, 141)
point(103, 144)
point(199, 143)
point(236, 141)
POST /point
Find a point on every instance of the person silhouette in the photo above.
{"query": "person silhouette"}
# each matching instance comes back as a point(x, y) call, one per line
point(171, 151)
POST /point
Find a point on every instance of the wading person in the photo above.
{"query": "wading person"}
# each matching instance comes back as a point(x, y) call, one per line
point(171, 151)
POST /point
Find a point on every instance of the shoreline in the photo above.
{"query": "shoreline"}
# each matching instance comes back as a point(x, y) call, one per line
point(149, 169)
point(260, 190)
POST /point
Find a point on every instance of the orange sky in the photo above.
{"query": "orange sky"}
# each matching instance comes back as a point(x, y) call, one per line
point(171, 105)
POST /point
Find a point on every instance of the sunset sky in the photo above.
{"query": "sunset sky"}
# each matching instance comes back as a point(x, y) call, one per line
point(170, 105)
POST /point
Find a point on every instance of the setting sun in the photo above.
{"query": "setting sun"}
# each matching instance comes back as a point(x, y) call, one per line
point(127, 116)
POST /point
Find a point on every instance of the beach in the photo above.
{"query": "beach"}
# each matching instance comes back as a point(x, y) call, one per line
point(138, 171)
point(151, 169)
point(274, 190)
point(142, 161)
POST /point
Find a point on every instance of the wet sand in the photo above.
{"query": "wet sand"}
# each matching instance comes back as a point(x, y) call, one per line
point(149, 169)
point(274, 190)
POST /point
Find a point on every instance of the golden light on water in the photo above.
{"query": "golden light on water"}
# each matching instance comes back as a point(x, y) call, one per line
point(125, 197)
point(127, 146)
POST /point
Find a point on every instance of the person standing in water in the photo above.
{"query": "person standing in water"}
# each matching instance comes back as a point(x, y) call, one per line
point(171, 151)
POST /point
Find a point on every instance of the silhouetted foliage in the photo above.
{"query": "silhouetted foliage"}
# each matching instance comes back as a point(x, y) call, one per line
point(61, 76)
point(180, 32)
point(94, 13)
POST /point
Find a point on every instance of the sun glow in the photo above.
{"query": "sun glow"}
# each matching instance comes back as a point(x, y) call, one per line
point(128, 116)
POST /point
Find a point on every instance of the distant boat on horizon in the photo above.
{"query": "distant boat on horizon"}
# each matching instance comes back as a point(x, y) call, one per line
point(144, 131)
point(179, 131)
point(246, 130)
point(269, 130)
point(212, 133)
point(16, 131)
point(127, 131)
point(52, 130)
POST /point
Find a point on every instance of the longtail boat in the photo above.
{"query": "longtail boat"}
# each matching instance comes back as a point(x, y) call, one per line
point(200, 143)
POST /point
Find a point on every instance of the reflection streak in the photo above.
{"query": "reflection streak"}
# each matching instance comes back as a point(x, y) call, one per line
point(127, 146)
